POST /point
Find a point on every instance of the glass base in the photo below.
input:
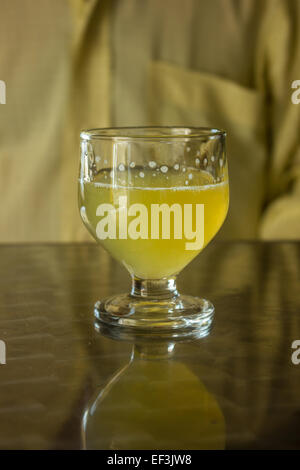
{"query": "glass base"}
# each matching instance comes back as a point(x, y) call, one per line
point(134, 316)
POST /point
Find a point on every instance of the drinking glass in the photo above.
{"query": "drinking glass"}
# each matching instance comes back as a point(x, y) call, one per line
point(154, 197)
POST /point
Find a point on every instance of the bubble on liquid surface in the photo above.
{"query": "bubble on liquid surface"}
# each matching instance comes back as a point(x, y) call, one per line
point(190, 176)
point(186, 182)
point(98, 159)
point(212, 158)
point(164, 169)
point(142, 174)
point(188, 149)
point(132, 165)
point(152, 164)
point(197, 161)
point(184, 169)
point(121, 167)
point(176, 166)
point(205, 161)
point(105, 162)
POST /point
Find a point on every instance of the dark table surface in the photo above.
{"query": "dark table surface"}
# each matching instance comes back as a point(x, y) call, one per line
point(238, 388)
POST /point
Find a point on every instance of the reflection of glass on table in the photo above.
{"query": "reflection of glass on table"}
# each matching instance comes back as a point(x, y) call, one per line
point(154, 402)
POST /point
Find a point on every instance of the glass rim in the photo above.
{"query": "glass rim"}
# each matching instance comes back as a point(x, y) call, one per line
point(149, 133)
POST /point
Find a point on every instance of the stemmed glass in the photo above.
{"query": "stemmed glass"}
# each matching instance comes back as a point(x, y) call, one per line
point(154, 197)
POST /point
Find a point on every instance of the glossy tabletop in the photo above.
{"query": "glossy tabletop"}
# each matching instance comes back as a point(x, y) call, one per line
point(67, 386)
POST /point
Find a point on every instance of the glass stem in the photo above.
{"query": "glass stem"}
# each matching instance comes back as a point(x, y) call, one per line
point(156, 289)
point(153, 351)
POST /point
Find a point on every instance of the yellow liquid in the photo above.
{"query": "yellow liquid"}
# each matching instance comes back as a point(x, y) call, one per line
point(154, 258)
